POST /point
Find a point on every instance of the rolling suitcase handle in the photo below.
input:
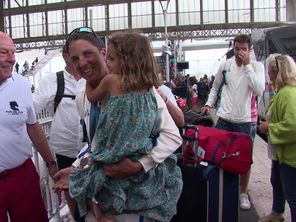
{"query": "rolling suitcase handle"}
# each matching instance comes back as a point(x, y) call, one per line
point(190, 146)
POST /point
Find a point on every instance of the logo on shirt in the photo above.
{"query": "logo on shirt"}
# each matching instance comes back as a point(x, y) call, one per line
point(14, 109)
point(13, 105)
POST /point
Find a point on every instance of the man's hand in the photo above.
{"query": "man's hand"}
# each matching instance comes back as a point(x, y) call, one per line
point(61, 179)
point(244, 57)
point(123, 169)
point(205, 109)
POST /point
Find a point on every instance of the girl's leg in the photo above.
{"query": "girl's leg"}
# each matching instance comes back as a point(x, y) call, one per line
point(102, 217)
point(130, 218)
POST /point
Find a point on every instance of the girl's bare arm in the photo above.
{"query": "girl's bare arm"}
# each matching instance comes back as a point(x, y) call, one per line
point(98, 93)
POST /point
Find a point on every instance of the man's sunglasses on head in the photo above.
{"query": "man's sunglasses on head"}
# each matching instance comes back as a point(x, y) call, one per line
point(82, 30)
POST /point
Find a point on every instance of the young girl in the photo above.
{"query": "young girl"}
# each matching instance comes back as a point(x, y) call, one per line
point(127, 128)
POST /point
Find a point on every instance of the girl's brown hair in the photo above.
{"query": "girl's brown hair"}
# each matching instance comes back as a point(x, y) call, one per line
point(138, 64)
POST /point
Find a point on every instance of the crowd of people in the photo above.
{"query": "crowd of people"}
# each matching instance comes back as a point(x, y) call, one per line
point(116, 128)
point(194, 92)
point(25, 67)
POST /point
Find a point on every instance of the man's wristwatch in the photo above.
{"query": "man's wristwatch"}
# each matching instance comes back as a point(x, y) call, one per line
point(51, 163)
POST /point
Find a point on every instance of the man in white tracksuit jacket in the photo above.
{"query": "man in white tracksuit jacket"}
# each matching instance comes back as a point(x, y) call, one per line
point(238, 80)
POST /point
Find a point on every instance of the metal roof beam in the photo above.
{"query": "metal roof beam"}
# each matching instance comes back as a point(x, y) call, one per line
point(62, 5)
point(157, 33)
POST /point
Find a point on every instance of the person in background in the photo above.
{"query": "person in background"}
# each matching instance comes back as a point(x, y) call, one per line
point(193, 98)
point(211, 82)
point(170, 101)
point(88, 55)
point(281, 129)
point(17, 66)
point(32, 88)
point(20, 195)
point(165, 91)
point(238, 79)
point(25, 67)
point(66, 133)
point(181, 89)
point(205, 79)
point(202, 90)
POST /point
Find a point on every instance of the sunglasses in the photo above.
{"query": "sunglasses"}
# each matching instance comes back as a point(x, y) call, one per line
point(82, 30)
point(277, 61)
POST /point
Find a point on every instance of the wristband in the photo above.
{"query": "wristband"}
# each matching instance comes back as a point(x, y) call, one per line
point(51, 163)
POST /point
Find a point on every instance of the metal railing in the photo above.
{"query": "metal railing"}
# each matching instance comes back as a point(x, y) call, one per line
point(54, 203)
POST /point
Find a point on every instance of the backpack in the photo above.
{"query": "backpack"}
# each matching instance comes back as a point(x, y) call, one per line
point(60, 90)
point(60, 94)
point(194, 118)
point(231, 151)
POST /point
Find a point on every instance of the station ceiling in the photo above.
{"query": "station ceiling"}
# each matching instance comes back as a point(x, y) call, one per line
point(198, 30)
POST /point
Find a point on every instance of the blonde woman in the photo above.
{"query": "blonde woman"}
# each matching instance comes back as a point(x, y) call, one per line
point(281, 132)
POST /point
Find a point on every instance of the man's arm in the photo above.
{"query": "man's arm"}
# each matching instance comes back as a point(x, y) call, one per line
point(256, 77)
point(176, 113)
point(254, 72)
point(44, 95)
point(169, 139)
point(172, 107)
point(39, 140)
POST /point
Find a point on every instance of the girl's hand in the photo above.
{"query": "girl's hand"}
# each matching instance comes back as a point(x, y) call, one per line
point(61, 179)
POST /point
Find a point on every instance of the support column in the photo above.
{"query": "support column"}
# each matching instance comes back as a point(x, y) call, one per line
point(1, 16)
point(129, 14)
point(45, 25)
point(226, 11)
point(201, 12)
point(27, 30)
point(252, 16)
point(166, 50)
point(107, 18)
point(291, 11)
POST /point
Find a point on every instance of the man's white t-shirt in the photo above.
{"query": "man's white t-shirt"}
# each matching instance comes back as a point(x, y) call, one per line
point(16, 111)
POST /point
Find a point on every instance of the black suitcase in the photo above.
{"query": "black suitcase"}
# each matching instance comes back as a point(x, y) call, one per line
point(222, 194)
point(192, 202)
point(209, 194)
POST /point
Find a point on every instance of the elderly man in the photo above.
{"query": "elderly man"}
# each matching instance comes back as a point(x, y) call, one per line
point(20, 195)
